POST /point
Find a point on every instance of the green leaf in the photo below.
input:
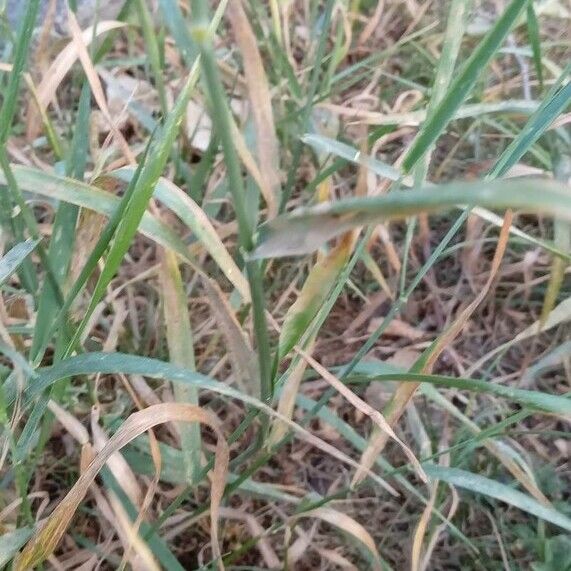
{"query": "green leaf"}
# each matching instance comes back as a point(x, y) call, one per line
point(535, 41)
point(534, 399)
point(10, 262)
point(556, 101)
point(74, 192)
point(306, 229)
point(493, 489)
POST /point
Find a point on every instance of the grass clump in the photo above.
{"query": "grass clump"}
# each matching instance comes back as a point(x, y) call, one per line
point(285, 285)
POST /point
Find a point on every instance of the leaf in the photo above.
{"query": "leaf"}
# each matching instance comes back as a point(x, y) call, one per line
point(81, 194)
point(314, 292)
point(562, 231)
point(242, 356)
point(260, 105)
point(306, 229)
point(555, 101)
point(47, 537)
point(323, 144)
point(181, 352)
point(12, 259)
point(501, 492)
point(11, 542)
point(536, 400)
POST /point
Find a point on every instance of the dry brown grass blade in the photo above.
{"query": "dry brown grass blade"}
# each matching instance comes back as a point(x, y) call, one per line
point(59, 69)
point(350, 526)
point(405, 391)
point(116, 462)
point(420, 530)
point(286, 404)
point(137, 552)
point(366, 409)
point(46, 538)
point(372, 23)
point(96, 87)
point(242, 356)
point(260, 104)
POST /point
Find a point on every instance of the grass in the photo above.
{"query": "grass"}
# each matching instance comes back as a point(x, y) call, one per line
point(321, 325)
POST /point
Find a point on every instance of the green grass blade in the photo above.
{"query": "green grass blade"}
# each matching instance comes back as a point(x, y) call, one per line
point(502, 492)
point(222, 121)
point(463, 84)
point(179, 28)
point(536, 400)
point(63, 234)
point(535, 41)
point(55, 187)
point(11, 542)
point(306, 229)
point(12, 260)
point(25, 34)
point(556, 101)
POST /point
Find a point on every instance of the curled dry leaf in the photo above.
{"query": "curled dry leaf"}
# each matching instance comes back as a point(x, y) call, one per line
point(47, 537)
point(350, 526)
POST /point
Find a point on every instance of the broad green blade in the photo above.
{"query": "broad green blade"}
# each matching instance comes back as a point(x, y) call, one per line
point(306, 229)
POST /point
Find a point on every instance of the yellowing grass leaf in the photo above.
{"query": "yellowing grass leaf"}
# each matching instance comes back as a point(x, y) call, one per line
point(47, 537)
point(286, 404)
point(321, 279)
point(260, 104)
